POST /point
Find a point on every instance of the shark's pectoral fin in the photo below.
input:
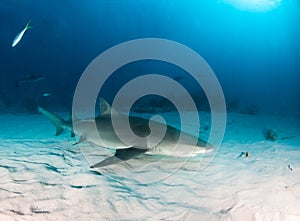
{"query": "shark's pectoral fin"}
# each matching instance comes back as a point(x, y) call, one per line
point(106, 162)
point(121, 155)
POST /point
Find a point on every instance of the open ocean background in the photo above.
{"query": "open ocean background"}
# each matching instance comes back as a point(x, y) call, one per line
point(255, 54)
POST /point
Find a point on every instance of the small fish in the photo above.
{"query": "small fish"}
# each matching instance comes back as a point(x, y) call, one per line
point(46, 94)
point(30, 79)
point(290, 167)
point(246, 154)
point(20, 35)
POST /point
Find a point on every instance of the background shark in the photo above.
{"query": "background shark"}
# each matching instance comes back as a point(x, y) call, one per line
point(31, 78)
point(189, 145)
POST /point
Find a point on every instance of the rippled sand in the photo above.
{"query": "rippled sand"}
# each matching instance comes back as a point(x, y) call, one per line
point(43, 177)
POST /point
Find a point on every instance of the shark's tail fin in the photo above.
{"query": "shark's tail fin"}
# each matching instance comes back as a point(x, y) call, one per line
point(57, 121)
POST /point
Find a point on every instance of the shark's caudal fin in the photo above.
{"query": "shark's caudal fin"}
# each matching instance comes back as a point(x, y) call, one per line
point(120, 156)
point(57, 121)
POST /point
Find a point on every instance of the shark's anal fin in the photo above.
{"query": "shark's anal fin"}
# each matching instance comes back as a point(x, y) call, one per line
point(120, 156)
point(81, 139)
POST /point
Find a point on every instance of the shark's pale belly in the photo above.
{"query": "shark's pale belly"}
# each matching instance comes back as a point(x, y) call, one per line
point(169, 146)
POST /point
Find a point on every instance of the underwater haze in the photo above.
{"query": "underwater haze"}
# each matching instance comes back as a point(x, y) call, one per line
point(253, 53)
point(180, 110)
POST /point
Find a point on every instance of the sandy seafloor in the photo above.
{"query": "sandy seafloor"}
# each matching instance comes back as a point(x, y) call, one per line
point(43, 177)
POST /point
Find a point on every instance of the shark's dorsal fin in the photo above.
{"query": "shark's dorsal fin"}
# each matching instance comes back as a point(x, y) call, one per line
point(105, 109)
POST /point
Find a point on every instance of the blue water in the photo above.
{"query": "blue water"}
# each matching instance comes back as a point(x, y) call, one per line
point(255, 54)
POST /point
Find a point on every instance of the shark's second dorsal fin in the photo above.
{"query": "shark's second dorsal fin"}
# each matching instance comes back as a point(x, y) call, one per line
point(105, 109)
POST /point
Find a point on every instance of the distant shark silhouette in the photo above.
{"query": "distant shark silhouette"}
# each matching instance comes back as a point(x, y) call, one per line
point(140, 126)
point(31, 78)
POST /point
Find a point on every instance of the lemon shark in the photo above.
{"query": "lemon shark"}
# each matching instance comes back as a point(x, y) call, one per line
point(170, 144)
